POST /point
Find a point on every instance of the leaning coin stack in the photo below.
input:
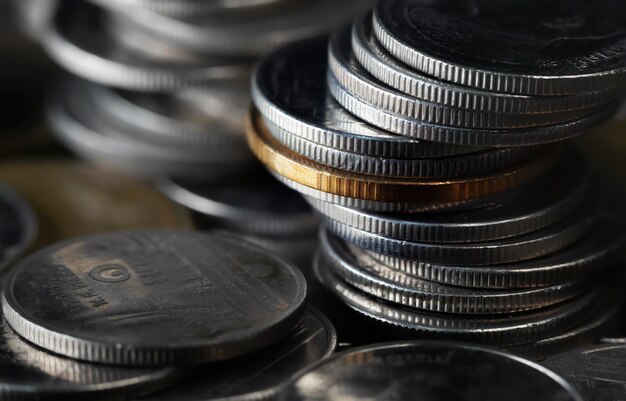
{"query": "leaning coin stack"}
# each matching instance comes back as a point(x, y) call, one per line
point(155, 315)
point(451, 210)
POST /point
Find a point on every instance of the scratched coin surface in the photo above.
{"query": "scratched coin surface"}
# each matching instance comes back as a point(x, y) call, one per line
point(598, 373)
point(153, 297)
point(72, 199)
point(428, 371)
point(259, 376)
point(30, 373)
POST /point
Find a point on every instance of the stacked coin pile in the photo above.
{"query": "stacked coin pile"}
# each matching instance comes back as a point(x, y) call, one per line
point(120, 316)
point(450, 209)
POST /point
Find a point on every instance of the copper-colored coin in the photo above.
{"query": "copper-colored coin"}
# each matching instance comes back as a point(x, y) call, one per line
point(306, 172)
point(72, 199)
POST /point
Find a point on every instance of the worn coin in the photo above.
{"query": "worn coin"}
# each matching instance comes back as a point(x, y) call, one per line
point(18, 225)
point(153, 298)
point(428, 371)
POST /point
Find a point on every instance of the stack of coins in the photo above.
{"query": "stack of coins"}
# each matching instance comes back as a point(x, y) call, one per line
point(165, 315)
point(451, 210)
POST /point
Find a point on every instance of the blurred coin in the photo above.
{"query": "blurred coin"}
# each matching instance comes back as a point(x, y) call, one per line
point(72, 199)
point(30, 373)
point(153, 298)
point(262, 375)
point(18, 226)
point(509, 47)
point(428, 371)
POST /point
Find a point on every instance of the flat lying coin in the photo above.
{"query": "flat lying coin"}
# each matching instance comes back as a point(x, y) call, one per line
point(30, 373)
point(598, 372)
point(153, 298)
point(18, 226)
point(508, 46)
point(428, 371)
point(72, 199)
point(262, 375)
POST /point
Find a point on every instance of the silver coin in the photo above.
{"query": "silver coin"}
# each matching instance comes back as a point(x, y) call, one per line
point(597, 372)
point(370, 276)
point(587, 257)
point(524, 247)
point(262, 375)
point(543, 205)
point(184, 8)
point(18, 226)
point(77, 40)
point(288, 90)
point(428, 371)
point(509, 47)
point(30, 373)
point(253, 33)
point(439, 167)
point(501, 330)
point(464, 136)
point(153, 298)
point(359, 83)
point(386, 68)
point(257, 204)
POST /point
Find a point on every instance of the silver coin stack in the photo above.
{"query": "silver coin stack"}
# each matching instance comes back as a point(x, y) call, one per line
point(394, 101)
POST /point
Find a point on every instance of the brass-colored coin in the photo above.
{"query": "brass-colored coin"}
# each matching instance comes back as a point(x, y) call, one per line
point(72, 199)
point(295, 167)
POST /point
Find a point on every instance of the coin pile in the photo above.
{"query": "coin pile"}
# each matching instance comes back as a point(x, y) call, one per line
point(163, 88)
point(127, 315)
point(451, 210)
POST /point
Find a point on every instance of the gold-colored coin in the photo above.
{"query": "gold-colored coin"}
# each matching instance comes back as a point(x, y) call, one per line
point(72, 199)
point(306, 172)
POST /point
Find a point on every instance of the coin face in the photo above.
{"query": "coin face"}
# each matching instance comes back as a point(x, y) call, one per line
point(428, 371)
point(262, 374)
point(30, 373)
point(72, 199)
point(153, 298)
point(18, 228)
point(598, 373)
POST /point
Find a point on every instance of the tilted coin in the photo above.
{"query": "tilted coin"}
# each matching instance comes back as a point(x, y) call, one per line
point(540, 206)
point(386, 68)
point(77, 40)
point(153, 298)
point(289, 164)
point(370, 276)
point(359, 83)
point(262, 375)
point(18, 225)
point(72, 199)
point(288, 90)
point(257, 204)
point(509, 47)
point(596, 372)
point(413, 128)
point(428, 371)
point(501, 330)
point(30, 373)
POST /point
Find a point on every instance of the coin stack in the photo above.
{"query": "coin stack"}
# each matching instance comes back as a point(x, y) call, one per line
point(451, 210)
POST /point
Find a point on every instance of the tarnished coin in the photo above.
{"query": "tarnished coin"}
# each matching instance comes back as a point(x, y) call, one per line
point(30, 373)
point(18, 225)
point(71, 199)
point(598, 372)
point(428, 371)
point(509, 46)
point(257, 204)
point(262, 375)
point(153, 298)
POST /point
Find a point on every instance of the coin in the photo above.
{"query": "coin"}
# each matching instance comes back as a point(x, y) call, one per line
point(30, 373)
point(72, 199)
point(509, 47)
point(294, 167)
point(18, 227)
point(180, 8)
point(596, 372)
point(153, 298)
point(262, 375)
point(428, 370)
